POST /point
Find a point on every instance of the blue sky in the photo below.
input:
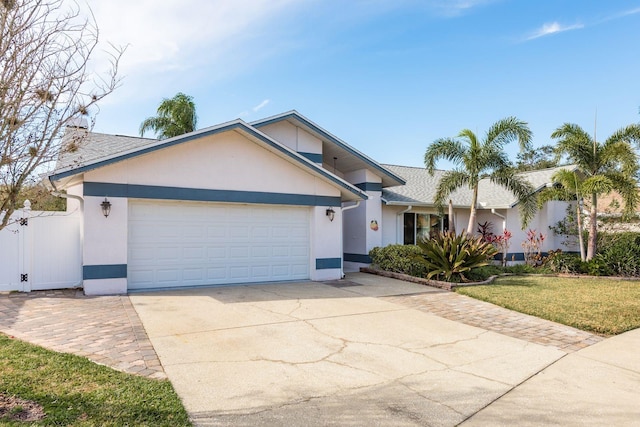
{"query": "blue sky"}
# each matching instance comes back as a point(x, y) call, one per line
point(387, 77)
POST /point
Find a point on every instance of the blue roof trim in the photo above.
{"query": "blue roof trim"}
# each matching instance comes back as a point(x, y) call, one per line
point(335, 140)
point(361, 258)
point(314, 157)
point(370, 186)
point(104, 189)
point(199, 134)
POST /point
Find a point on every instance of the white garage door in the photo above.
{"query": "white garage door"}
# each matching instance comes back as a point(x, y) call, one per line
point(174, 244)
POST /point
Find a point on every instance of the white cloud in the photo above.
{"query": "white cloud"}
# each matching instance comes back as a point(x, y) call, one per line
point(457, 7)
point(161, 34)
point(261, 105)
point(553, 28)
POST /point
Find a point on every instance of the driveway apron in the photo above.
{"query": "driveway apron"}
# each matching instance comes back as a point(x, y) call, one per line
point(329, 354)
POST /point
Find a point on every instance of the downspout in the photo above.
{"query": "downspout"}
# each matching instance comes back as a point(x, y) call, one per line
point(504, 227)
point(80, 199)
point(398, 230)
point(343, 209)
point(504, 219)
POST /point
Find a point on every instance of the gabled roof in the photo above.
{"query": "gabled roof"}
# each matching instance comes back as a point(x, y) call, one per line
point(349, 159)
point(98, 150)
point(420, 189)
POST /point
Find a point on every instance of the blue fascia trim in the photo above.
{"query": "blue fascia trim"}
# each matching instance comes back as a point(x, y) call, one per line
point(235, 125)
point(328, 263)
point(107, 271)
point(103, 189)
point(370, 186)
point(326, 135)
point(314, 157)
point(361, 258)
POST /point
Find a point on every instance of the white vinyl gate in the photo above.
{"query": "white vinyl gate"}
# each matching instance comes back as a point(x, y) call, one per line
point(41, 251)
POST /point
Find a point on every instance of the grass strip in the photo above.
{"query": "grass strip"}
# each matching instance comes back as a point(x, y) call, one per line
point(77, 392)
point(602, 306)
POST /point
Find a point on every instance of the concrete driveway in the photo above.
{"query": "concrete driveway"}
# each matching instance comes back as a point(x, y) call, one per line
point(316, 354)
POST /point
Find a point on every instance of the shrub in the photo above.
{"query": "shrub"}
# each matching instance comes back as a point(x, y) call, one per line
point(481, 274)
point(566, 263)
point(521, 269)
point(449, 256)
point(620, 253)
point(399, 259)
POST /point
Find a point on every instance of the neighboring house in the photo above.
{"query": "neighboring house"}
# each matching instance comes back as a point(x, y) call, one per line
point(272, 200)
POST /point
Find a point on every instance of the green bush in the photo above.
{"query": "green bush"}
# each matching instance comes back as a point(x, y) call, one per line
point(619, 253)
point(566, 263)
point(481, 274)
point(399, 259)
point(449, 256)
point(522, 269)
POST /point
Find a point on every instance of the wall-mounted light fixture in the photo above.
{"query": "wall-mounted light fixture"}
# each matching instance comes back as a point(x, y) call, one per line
point(106, 207)
point(331, 214)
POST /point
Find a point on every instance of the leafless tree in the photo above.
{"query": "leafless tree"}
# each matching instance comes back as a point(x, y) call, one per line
point(45, 83)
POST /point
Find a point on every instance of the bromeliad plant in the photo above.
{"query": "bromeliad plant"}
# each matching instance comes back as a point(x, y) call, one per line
point(449, 256)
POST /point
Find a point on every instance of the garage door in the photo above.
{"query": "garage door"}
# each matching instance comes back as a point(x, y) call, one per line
point(177, 244)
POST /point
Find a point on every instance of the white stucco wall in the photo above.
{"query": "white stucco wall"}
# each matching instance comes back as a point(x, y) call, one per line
point(293, 137)
point(326, 242)
point(225, 161)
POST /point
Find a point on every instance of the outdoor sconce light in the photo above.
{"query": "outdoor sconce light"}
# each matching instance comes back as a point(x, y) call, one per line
point(106, 207)
point(331, 214)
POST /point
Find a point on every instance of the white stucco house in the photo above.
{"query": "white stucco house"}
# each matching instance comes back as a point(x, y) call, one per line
point(272, 200)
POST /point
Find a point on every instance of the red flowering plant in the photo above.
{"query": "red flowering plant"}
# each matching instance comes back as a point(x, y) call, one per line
point(500, 241)
point(533, 247)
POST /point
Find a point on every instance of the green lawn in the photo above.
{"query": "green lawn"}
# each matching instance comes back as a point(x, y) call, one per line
point(74, 391)
point(603, 306)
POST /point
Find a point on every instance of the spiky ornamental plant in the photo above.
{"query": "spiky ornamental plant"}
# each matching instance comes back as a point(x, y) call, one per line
point(448, 255)
point(475, 159)
point(607, 166)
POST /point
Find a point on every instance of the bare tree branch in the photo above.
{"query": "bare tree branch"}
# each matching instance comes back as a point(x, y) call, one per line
point(45, 84)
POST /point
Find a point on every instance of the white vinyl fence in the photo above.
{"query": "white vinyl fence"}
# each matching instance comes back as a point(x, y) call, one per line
point(40, 251)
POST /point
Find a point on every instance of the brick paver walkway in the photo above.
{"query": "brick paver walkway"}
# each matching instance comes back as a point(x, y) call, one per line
point(104, 329)
point(461, 308)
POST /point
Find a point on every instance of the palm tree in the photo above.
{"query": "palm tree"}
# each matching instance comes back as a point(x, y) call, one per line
point(176, 116)
point(567, 186)
point(611, 165)
point(476, 159)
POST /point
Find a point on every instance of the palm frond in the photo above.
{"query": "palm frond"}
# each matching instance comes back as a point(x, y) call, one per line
point(522, 189)
point(507, 130)
point(444, 148)
point(627, 186)
point(598, 184)
point(450, 182)
point(577, 145)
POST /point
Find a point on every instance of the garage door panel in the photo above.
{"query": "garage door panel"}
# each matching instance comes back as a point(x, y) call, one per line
point(174, 244)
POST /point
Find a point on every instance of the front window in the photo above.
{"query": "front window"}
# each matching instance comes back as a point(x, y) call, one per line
point(419, 227)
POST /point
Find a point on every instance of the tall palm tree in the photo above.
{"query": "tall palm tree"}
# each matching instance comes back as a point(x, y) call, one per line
point(475, 159)
point(176, 116)
point(610, 165)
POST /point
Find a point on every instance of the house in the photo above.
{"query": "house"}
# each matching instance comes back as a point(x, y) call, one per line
point(272, 200)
